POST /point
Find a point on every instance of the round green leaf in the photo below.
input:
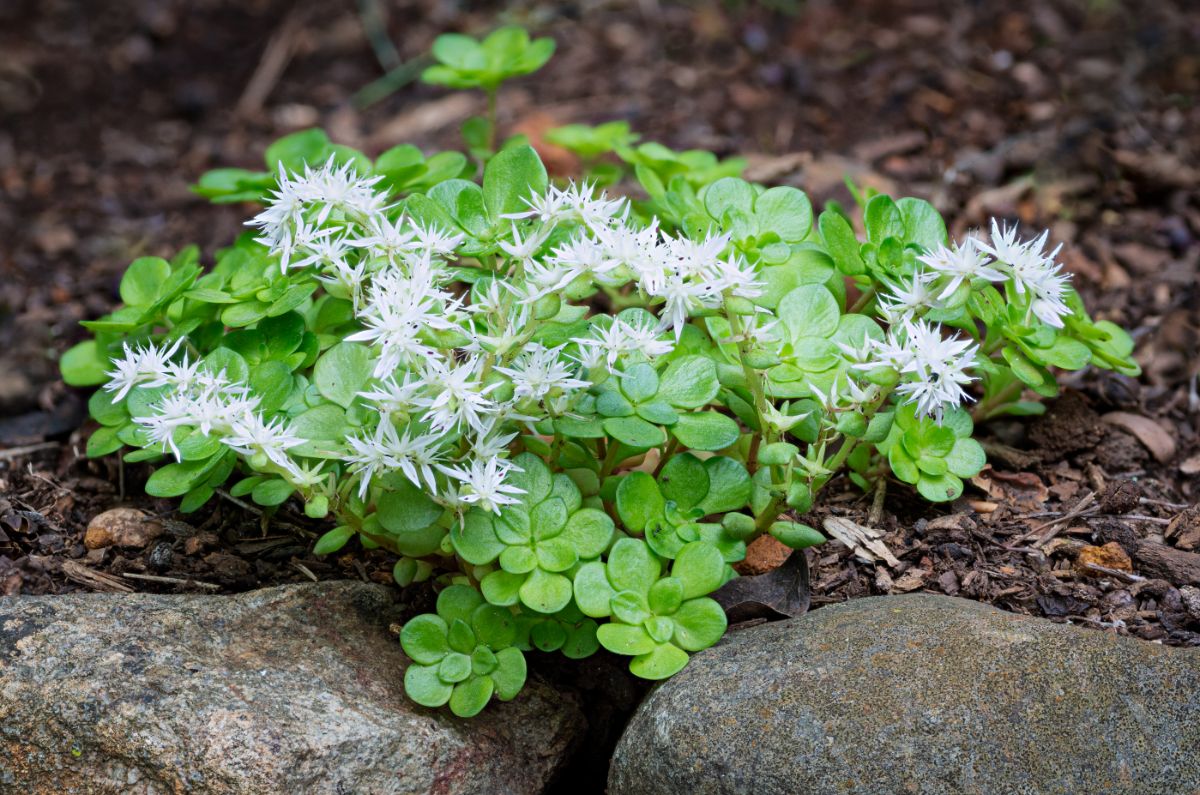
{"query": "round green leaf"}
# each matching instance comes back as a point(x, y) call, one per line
point(966, 459)
point(699, 623)
point(639, 383)
point(785, 211)
point(940, 489)
point(689, 382)
point(589, 532)
point(700, 568)
point(143, 279)
point(548, 518)
point(631, 566)
point(728, 193)
point(684, 480)
point(634, 431)
point(423, 686)
point(556, 554)
point(625, 639)
point(494, 627)
point(509, 676)
point(533, 476)
point(663, 662)
point(343, 371)
point(666, 596)
point(406, 508)
point(461, 637)
point(729, 485)
point(630, 608)
point(458, 602)
point(502, 588)
point(518, 560)
point(810, 311)
point(470, 697)
point(424, 639)
point(84, 365)
point(639, 502)
point(454, 667)
point(706, 430)
point(593, 593)
point(548, 636)
point(545, 592)
point(474, 538)
point(483, 661)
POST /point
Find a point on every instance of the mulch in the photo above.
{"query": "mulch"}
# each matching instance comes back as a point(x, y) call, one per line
point(1072, 115)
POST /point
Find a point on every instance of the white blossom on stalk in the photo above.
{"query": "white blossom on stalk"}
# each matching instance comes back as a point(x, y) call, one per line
point(961, 262)
point(524, 250)
point(619, 340)
point(538, 370)
point(433, 242)
point(389, 240)
point(458, 396)
point(1033, 271)
point(148, 366)
point(250, 434)
point(908, 296)
point(934, 372)
point(483, 483)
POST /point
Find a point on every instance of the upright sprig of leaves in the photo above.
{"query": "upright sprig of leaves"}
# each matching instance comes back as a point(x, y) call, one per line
point(464, 62)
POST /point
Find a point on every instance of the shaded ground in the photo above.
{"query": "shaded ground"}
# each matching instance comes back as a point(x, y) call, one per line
point(1079, 116)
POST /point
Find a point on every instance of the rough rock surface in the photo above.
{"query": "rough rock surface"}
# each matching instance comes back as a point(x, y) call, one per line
point(285, 690)
point(919, 694)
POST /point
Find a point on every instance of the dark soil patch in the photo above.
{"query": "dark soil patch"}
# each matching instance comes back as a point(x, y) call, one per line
point(1072, 115)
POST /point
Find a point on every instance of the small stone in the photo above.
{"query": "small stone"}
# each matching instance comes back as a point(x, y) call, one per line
point(763, 554)
point(199, 542)
point(1120, 496)
point(1189, 595)
point(122, 527)
point(1109, 556)
point(161, 557)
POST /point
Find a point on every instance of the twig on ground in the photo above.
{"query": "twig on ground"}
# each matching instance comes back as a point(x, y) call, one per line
point(300, 567)
point(1079, 509)
point(17, 452)
point(275, 59)
point(172, 581)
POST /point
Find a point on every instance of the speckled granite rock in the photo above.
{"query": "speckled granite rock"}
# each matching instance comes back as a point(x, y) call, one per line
point(919, 694)
point(296, 689)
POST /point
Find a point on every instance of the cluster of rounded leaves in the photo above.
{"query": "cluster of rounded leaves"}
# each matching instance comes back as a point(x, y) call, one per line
point(573, 411)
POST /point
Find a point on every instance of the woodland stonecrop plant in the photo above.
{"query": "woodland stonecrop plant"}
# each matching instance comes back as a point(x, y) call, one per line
point(572, 410)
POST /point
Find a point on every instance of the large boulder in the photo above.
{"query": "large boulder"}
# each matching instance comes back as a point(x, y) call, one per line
point(919, 694)
point(285, 690)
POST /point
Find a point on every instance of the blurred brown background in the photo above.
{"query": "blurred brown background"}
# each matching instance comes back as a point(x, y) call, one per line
point(1080, 115)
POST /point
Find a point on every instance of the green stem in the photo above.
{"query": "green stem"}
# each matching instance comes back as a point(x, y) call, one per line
point(987, 407)
point(491, 118)
point(868, 295)
point(672, 448)
point(610, 460)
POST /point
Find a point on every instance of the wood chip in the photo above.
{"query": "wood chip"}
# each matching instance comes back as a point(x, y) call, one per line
point(96, 580)
point(865, 542)
point(1152, 436)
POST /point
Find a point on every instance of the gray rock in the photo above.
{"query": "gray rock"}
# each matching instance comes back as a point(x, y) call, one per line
point(296, 689)
point(919, 694)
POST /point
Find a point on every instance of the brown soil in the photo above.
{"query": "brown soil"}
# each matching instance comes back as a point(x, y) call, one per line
point(1077, 116)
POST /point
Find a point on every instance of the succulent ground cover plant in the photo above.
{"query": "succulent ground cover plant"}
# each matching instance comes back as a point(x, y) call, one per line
point(573, 410)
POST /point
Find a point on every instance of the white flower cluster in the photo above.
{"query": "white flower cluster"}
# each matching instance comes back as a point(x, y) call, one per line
point(198, 399)
point(933, 368)
point(1032, 273)
point(443, 357)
